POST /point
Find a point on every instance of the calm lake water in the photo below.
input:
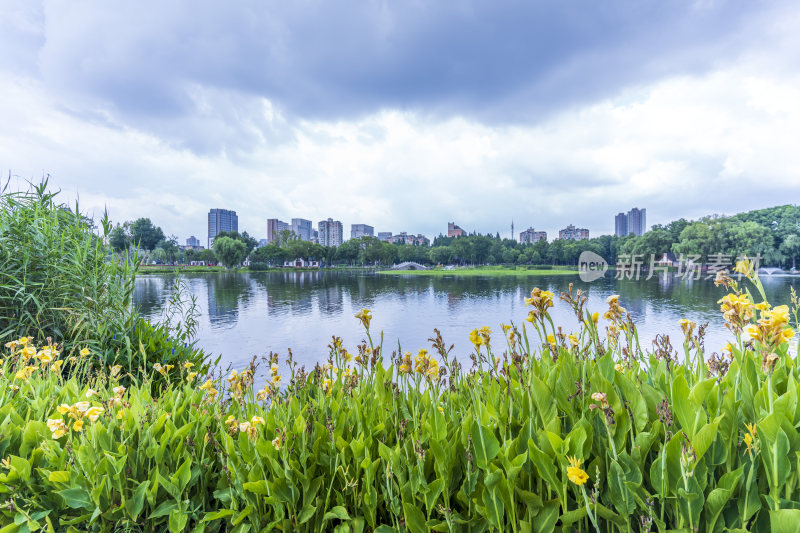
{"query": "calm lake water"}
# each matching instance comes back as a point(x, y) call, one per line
point(246, 314)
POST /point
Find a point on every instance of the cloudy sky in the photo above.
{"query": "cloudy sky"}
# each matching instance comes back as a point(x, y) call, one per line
point(404, 115)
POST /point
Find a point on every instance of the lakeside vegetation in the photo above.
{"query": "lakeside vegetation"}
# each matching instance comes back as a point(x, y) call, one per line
point(483, 271)
point(111, 423)
point(772, 234)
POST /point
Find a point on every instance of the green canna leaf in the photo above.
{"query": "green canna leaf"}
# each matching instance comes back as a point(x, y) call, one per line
point(485, 444)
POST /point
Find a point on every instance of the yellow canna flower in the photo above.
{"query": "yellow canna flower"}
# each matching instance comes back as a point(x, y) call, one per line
point(475, 338)
point(573, 340)
point(364, 316)
point(188, 365)
point(276, 442)
point(93, 413)
point(440, 409)
point(551, 340)
point(90, 393)
point(116, 369)
point(118, 391)
point(575, 473)
point(687, 326)
point(56, 367)
point(78, 425)
point(256, 420)
point(120, 414)
point(84, 352)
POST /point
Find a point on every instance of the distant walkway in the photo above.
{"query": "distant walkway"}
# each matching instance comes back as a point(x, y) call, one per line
point(409, 265)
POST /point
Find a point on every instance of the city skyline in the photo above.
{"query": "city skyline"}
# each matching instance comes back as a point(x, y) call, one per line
point(303, 229)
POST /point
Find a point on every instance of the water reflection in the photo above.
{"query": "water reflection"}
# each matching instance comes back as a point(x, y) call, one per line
point(244, 314)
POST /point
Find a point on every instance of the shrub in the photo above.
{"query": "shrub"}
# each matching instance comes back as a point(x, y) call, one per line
point(60, 281)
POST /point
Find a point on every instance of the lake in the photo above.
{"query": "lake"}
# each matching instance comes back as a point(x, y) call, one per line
point(246, 314)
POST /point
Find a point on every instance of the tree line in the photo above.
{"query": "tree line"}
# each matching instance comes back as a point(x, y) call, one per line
point(772, 233)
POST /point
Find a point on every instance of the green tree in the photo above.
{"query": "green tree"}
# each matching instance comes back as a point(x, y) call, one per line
point(230, 252)
point(249, 242)
point(118, 238)
point(271, 254)
point(791, 247)
point(145, 234)
point(170, 248)
point(440, 255)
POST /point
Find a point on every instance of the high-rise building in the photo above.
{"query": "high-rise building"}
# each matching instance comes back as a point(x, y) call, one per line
point(330, 232)
point(221, 220)
point(361, 230)
point(637, 223)
point(193, 242)
point(634, 221)
point(453, 230)
point(385, 236)
point(274, 228)
point(302, 228)
point(530, 236)
point(574, 234)
point(621, 225)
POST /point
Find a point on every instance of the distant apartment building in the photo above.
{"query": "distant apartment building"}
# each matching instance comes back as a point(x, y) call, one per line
point(274, 229)
point(530, 236)
point(573, 234)
point(385, 236)
point(330, 232)
point(404, 238)
point(637, 221)
point(302, 228)
point(361, 230)
point(621, 225)
point(262, 242)
point(192, 242)
point(220, 220)
point(634, 221)
point(453, 230)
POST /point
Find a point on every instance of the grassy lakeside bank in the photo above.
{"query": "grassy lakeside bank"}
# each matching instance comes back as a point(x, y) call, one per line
point(481, 271)
point(171, 269)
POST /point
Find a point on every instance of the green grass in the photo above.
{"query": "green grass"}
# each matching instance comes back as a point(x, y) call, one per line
point(169, 269)
point(481, 271)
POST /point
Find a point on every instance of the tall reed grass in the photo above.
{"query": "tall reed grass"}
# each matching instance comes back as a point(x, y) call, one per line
point(58, 279)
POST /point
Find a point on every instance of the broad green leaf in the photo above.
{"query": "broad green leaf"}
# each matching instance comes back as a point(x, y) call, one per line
point(485, 444)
